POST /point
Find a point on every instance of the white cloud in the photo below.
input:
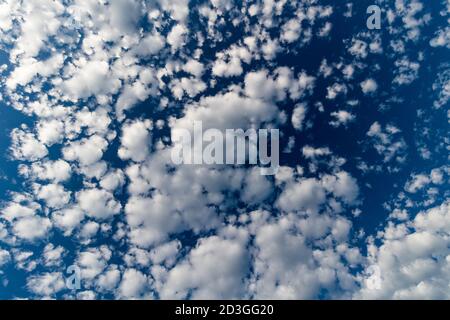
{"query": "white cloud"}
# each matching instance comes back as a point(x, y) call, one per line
point(307, 194)
point(25, 146)
point(53, 255)
point(388, 142)
point(30, 68)
point(298, 116)
point(54, 195)
point(151, 219)
point(92, 262)
point(46, 284)
point(149, 45)
point(113, 180)
point(342, 118)
point(287, 268)
point(369, 86)
point(31, 228)
point(133, 284)
point(194, 67)
point(415, 264)
point(177, 37)
point(5, 257)
point(179, 9)
point(135, 141)
point(214, 269)
point(98, 203)
point(86, 151)
point(68, 219)
point(90, 78)
point(57, 171)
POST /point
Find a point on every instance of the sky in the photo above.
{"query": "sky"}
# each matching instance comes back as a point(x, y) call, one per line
point(93, 207)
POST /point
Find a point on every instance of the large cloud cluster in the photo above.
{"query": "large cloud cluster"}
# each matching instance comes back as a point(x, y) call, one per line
point(103, 85)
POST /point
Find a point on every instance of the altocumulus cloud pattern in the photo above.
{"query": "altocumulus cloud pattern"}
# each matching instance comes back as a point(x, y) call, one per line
point(91, 91)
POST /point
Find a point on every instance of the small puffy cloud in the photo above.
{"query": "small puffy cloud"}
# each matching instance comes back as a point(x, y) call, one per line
point(54, 195)
point(5, 257)
point(112, 180)
point(92, 262)
point(149, 45)
point(369, 86)
point(46, 284)
point(177, 37)
point(179, 9)
point(359, 49)
point(311, 152)
point(229, 110)
point(135, 141)
point(298, 116)
point(342, 118)
point(335, 90)
point(134, 283)
point(90, 78)
point(165, 253)
point(67, 219)
point(98, 203)
point(307, 194)
point(406, 71)
point(86, 151)
point(53, 255)
point(151, 219)
point(214, 269)
point(194, 67)
point(291, 30)
point(50, 132)
point(57, 171)
point(30, 68)
point(388, 142)
point(32, 228)
point(270, 49)
point(287, 267)
point(342, 185)
point(415, 263)
point(25, 146)
point(109, 279)
point(189, 86)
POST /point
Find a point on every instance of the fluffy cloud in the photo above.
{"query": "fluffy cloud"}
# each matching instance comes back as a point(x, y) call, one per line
point(177, 37)
point(135, 141)
point(54, 195)
point(151, 219)
point(46, 284)
point(90, 78)
point(25, 146)
point(214, 269)
point(98, 203)
point(415, 264)
point(342, 118)
point(87, 151)
point(56, 171)
point(369, 86)
point(133, 284)
point(105, 84)
point(287, 268)
point(298, 116)
point(388, 142)
point(31, 228)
